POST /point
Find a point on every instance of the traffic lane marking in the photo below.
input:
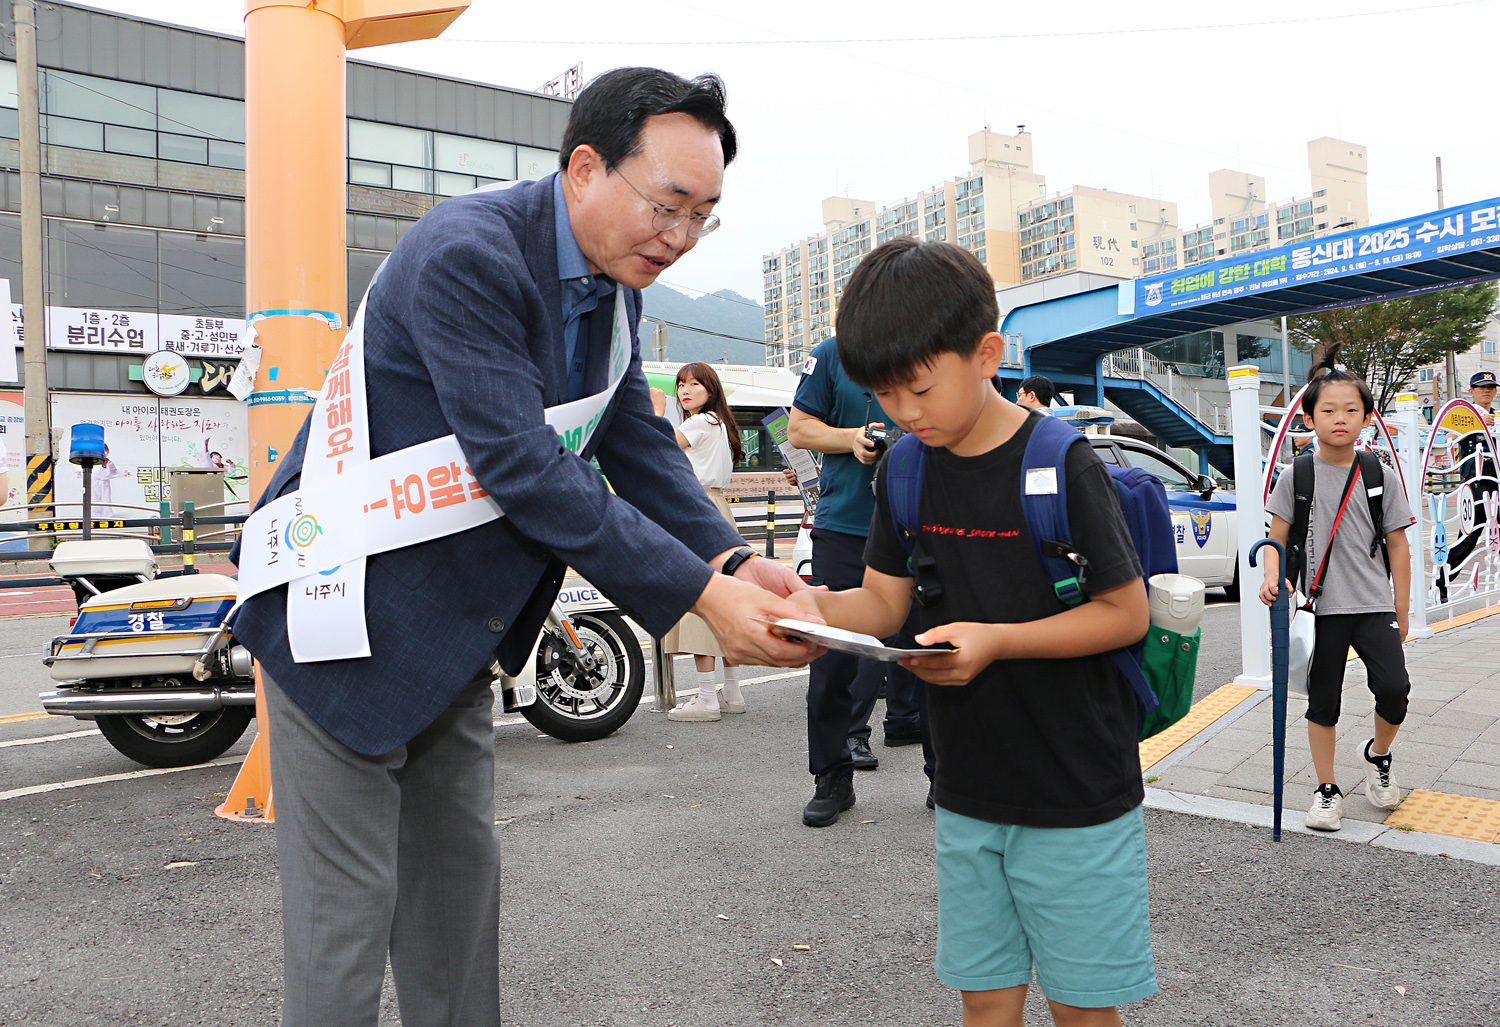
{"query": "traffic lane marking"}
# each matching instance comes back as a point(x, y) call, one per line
point(49, 738)
point(19, 718)
point(649, 697)
point(16, 793)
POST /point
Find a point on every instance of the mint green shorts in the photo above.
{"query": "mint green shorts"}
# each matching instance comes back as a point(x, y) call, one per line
point(1069, 900)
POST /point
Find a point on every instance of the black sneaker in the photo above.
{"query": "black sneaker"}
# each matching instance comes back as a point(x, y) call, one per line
point(833, 795)
point(864, 759)
point(896, 738)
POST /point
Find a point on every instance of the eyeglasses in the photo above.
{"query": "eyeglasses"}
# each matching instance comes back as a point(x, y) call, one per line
point(667, 218)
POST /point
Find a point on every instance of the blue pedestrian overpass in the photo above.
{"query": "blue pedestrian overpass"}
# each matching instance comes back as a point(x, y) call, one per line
point(1069, 338)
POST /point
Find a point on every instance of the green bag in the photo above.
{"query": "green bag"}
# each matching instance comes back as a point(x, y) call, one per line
point(1170, 662)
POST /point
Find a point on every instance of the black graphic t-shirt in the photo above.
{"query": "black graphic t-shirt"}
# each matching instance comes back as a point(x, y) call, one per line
point(1039, 743)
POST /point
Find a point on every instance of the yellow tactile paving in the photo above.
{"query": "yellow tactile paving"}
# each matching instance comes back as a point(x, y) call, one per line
point(1457, 816)
point(1204, 712)
point(1461, 620)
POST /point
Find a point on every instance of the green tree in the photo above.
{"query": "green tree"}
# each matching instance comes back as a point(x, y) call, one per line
point(1387, 342)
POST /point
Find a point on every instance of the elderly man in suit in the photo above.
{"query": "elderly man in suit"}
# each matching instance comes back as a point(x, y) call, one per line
point(495, 308)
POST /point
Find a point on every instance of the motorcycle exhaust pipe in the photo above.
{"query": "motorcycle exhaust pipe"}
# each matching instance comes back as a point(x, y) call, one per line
point(72, 702)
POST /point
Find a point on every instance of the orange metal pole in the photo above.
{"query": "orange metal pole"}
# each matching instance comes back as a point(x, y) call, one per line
point(295, 210)
point(295, 257)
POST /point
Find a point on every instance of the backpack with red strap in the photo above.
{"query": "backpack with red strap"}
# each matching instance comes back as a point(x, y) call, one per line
point(1366, 466)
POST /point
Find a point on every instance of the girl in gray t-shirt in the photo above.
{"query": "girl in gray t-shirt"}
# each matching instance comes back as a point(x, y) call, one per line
point(1362, 604)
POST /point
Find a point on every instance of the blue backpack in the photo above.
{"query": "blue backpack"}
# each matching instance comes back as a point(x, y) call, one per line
point(1044, 499)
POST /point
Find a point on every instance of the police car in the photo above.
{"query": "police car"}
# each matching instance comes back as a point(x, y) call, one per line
point(1203, 515)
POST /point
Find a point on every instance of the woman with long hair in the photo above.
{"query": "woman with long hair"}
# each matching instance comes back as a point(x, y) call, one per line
point(711, 440)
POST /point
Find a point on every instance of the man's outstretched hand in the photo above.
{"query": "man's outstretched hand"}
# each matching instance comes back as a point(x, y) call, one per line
point(730, 607)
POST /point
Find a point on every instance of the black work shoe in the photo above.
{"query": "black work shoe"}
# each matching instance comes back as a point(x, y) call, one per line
point(833, 795)
point(864, 759)
point(930, 804)
point(895, 738)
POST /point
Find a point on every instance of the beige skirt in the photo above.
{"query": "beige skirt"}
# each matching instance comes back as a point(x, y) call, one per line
point(691, 634)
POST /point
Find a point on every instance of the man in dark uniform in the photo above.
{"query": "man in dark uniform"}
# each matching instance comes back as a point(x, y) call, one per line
point(830, 415)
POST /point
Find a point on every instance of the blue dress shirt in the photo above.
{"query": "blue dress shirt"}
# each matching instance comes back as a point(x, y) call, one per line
point(582, 292)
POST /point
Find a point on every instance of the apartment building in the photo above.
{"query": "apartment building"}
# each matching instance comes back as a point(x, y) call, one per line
point(1001, 212)
point(976, 211)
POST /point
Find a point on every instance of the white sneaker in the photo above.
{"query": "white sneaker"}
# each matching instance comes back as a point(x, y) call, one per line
point(695, 709)
point(1328, 803)
point(1380, 785)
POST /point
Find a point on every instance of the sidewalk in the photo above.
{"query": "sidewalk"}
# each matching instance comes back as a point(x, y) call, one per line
point(1447, 754)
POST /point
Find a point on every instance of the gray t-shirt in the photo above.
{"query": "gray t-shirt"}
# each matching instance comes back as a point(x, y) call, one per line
point(1355, 581)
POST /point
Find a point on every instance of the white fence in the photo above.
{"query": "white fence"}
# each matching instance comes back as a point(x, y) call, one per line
point(1454, 497)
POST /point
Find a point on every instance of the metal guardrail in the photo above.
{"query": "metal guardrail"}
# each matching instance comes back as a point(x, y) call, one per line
point(771, 528)
point(1141, 365)
point(167, 534)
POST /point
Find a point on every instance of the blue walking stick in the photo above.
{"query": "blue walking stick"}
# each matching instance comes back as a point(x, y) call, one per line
point(1280, 612)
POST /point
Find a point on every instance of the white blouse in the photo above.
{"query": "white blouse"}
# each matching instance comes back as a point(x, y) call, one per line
point(708, 450)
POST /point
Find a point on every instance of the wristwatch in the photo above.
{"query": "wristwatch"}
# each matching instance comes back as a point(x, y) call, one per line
point(736, 558)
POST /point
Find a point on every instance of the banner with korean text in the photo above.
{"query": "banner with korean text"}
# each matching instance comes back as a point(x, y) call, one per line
point(1412, 240)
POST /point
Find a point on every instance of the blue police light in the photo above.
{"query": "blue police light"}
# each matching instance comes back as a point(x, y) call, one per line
point(88, 444)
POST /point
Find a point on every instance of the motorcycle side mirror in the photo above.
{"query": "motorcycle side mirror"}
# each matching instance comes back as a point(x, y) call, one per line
point(1205, 486)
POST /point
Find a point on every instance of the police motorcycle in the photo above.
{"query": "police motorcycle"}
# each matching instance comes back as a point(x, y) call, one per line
point(146, 658)
point(149, 661)
point(586, 673)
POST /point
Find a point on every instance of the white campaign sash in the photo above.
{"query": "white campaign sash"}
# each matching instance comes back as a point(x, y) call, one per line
point(350, 507)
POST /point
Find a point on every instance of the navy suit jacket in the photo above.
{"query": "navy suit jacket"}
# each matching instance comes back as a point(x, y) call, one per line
point(463, 336)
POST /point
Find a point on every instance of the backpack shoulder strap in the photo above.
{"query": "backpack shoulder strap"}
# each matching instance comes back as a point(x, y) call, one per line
point(1303, 483)
point(1044, 499)
point(903, 487)
point(1373, 472)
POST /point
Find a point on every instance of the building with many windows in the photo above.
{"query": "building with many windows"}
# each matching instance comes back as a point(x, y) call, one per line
point(143, 156)
point(1001, 212)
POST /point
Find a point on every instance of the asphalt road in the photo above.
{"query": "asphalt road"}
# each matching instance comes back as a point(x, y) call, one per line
point(654, 877)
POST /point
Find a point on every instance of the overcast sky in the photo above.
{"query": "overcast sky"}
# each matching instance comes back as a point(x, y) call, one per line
point(1139, 98)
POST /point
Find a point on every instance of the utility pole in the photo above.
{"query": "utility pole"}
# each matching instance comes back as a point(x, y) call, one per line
point(33, 297)
point(659, 340)
point(1452, 363)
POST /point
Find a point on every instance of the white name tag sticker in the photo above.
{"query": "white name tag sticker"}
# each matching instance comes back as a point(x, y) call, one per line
point(1041, 481)
point(1378, 490)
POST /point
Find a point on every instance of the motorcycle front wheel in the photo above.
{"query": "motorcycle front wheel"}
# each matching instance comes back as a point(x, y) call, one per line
point(571, 707)
point(176, 739)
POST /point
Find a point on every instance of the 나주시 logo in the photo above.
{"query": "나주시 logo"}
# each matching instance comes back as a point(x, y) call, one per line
point(303, 531)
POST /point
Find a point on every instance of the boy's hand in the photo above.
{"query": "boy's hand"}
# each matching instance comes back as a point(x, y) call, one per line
point(1268, 590)
point(974, 648)
point(1403, 623)
point(808, 599)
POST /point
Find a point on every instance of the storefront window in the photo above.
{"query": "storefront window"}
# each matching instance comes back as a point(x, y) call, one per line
point(101, 266)
point(202, 274)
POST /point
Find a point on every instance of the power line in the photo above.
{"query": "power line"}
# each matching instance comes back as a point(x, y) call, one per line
point(963, 39)
point(1046, 110)
point(702, 331)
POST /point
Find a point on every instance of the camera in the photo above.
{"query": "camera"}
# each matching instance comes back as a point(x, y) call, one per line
point(882, 437)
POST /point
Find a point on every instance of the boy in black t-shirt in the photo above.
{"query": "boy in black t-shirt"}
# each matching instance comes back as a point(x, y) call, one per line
point(1040, 838)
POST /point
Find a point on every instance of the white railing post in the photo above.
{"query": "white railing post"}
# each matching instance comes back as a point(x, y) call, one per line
point(1250, 513)
point(1409, 421)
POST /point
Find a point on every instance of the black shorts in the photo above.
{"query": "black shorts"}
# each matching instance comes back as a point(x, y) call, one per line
point(1377, 640)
